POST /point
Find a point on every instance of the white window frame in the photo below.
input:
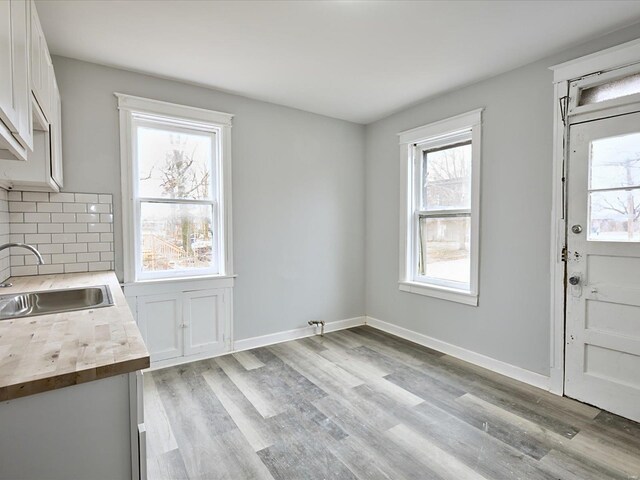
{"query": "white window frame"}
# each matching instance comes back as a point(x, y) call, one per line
point(466, 126)
point(138, 111)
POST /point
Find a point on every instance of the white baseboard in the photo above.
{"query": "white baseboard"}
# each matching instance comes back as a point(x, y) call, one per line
point(272, 338)
point(498, 366)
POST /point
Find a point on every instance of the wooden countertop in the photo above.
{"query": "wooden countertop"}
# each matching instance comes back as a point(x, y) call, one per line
point(47, 352)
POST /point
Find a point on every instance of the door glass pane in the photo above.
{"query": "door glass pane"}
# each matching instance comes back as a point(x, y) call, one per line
point(615, 162)
point(174, 164)
point(446, 178)
point(177, 237)
point(620, 87)
point(614, 216)
point(445, 248)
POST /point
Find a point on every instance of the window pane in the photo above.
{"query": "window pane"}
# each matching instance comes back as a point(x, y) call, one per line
point(614, 216)
point(173, 164)
point(445, 248)
point(615, 162)
point(620, 87)
point(177, 237)
point(446, 178)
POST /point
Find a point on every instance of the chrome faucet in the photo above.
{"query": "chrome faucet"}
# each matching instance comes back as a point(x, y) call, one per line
point(31, 248)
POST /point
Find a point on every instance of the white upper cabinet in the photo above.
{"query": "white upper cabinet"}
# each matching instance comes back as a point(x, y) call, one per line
point(30, 109)
point(16, 139)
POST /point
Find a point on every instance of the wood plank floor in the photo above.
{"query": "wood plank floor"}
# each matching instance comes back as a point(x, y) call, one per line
point(361, 404)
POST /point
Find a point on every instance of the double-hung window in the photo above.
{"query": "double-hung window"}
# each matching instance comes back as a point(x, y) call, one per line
point(175, 180)
point(440, 209)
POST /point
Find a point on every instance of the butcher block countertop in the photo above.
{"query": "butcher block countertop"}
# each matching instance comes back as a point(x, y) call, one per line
point(52, 351)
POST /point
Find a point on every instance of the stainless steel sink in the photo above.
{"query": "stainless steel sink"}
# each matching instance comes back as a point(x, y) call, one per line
point(54, 301)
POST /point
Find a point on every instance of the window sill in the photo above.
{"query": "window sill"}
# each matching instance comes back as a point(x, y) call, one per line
point(439, 292)
point(162, 285)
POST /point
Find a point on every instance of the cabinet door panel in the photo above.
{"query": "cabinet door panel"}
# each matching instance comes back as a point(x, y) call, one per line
point(20, 19)
point(8, 113)
point(204, 321)
point(160, 321)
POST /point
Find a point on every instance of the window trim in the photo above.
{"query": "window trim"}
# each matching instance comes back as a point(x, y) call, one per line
point(131, 107)
point(440, 133)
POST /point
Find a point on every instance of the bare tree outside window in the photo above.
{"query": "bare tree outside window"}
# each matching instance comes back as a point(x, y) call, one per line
point(175, 166)
point(615, 189)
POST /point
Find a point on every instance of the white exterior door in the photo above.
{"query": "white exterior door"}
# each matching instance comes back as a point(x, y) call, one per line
point(602, 364)
point(204, 321)
point(160, 319)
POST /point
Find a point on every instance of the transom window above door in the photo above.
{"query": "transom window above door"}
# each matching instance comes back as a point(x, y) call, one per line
point(174, 166)
point(440, 192)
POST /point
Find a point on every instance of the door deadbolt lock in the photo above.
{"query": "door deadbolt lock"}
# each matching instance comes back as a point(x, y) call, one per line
point(574, 279)
point(576, 229)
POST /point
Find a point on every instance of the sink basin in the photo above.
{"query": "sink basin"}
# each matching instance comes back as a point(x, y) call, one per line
point(29, 304)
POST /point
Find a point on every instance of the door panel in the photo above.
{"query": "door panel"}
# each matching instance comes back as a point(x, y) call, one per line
point(204, 321)
point(160, 320)
point(603, 293)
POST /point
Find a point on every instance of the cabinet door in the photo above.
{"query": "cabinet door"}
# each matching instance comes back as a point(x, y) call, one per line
point(205, 321)
point(160, 321)
point(8, 111)
point(15, 108)
point(56, 136)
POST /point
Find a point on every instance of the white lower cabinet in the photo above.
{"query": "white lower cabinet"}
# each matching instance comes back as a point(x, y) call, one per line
point(189, 323)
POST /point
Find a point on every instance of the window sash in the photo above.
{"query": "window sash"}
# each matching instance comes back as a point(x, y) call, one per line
point(178, 126)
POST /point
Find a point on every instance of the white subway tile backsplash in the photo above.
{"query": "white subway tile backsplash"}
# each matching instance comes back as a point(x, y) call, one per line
point(88, 217)
point(63, 238)
point(75, 247)
point(76, 267)
point(99, 247)
point(37, 238)
point(99, 208)
point(72, 231)
point(34, 196)
point(49, 207)
point(50, 248)
point(75, 228)
point(90, 257)
point(63, 258)
point(50, 269)
point(24, 228)
point(22, 206)
point(48, 227)
point(97, 266)
point(99, 227)
point(37, 217)
point(74, 207)
point(63, 217)
point(86, 198)
point(106, 256)
point(88, 237)
point(62, 197)
point(21, 271)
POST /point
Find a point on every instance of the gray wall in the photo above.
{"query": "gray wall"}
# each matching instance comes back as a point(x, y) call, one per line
point(512, 321)
point(298, 193)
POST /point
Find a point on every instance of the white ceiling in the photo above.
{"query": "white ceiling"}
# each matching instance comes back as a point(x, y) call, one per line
point(355, 60)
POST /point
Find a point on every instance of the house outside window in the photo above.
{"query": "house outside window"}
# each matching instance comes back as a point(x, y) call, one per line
point(439, 231)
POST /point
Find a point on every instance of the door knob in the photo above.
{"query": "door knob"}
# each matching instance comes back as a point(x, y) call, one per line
point(576, 229)
point(574, 279)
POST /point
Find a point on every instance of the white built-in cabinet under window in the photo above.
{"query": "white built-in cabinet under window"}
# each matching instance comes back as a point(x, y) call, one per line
point(440, 193)
point(176, 209)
